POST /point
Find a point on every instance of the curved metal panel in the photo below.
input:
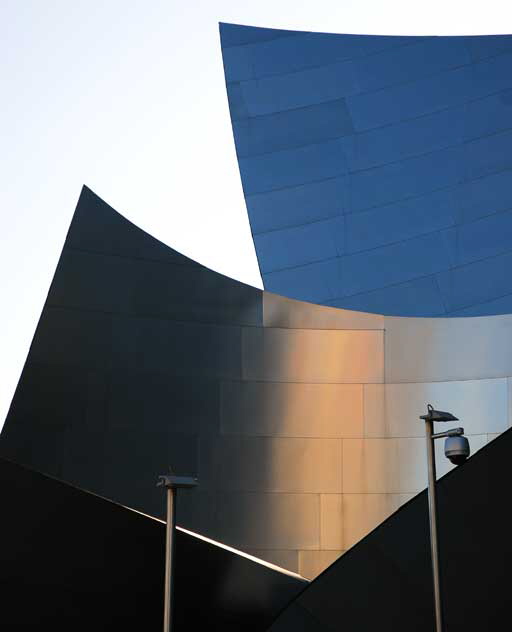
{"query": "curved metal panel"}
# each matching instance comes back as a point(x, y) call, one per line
point(299, 420)
point(376, 170)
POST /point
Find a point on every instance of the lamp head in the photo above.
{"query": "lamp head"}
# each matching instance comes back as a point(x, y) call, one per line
point(437, 415)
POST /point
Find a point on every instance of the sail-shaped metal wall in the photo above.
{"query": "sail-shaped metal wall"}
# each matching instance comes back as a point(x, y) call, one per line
point(300, 420)
point(377, 171)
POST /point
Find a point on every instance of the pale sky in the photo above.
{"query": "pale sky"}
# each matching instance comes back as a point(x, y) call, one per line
point(128, 97)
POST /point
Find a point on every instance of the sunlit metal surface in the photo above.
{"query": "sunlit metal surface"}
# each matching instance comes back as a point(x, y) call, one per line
point(385, 581)
point(301, 421)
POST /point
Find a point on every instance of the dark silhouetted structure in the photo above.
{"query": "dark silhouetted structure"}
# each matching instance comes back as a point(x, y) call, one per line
point(385, 582)
point(70, 560)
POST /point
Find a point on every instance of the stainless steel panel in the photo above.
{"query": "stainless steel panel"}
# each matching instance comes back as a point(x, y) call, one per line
point(481, 405)
point(383, 465)
point(270, 521)
point(374, 397)
point(192, 349)
point(331, 522)
point(279, 311)
point(291, 410)
point(258, 464)
point(431, 350)
point(380, 466)
point(302, 355)
point(363, 512)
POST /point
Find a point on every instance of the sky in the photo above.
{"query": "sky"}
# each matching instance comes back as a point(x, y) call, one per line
point(128, 97)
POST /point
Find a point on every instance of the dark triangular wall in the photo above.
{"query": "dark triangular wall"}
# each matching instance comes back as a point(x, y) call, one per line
point(70, 560)
point(384, 583)
point(122, 376)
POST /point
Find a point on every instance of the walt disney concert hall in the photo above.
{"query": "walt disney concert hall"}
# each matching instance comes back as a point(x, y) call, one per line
point(377, 174)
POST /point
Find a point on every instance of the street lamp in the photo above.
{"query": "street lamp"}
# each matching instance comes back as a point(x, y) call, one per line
point(457, 450)
point(172, 483)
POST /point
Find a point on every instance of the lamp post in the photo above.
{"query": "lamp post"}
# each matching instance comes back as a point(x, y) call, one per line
point(172, 483)
point(457, 450)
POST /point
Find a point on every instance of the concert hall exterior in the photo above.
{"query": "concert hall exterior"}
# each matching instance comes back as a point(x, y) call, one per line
point(376, 172)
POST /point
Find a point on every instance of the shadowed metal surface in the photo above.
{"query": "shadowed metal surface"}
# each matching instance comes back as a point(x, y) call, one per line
point(385, 582)
point(376, 170)
point(301, 421)
point(81, 562)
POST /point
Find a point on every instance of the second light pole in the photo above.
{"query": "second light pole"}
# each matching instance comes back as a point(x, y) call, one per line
point(457, 450)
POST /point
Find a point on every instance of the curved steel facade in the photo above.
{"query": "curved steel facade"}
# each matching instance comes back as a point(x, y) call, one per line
point(301, 421)
point(377, 171)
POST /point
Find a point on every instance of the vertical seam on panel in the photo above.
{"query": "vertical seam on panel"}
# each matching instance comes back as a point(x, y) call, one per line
point(320, 521)
point(364, 409)
point(384, 370)
point(242, 369)
point(507, 403)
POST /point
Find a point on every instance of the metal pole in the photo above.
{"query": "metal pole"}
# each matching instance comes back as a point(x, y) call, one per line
point(172, 483)
point(431, 462)
point(169, 556)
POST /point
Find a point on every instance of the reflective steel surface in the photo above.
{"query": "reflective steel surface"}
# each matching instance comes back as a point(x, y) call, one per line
point(385, 581)
point(376, 170)
point(300, 421)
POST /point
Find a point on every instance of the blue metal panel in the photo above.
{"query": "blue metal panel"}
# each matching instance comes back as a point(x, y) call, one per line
point(423, 58)
point(488, 46)
point(393, 264)
point(488, 155)
point(420, 297)
point(476, 283)
point(317, 282)
point(412, 99)
point(234, 35)
point(298, 89)
point(304, 50)
point(277, 55)
point(491, 75)
point(406, 178)
point(502, 305)
point(400, 221)
point(484, 238)
point(292, 167)
point(292, 128)
point(409, 139)
point(488, 115)
point(393, 143)
point(484, 196)
point(297, 205)
point(307, 243)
